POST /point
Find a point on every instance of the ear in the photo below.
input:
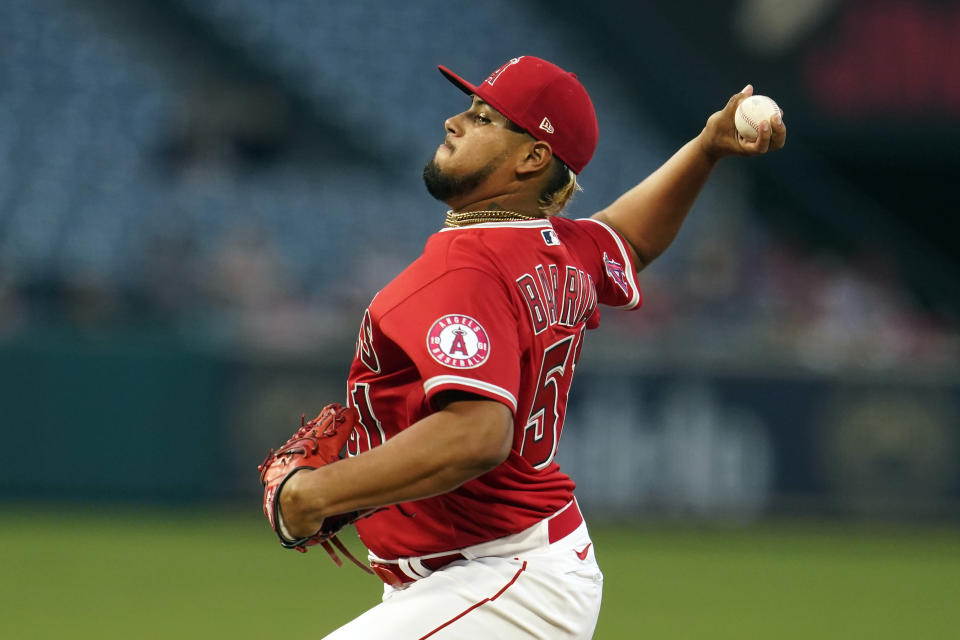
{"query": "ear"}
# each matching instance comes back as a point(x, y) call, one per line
point(536, 157)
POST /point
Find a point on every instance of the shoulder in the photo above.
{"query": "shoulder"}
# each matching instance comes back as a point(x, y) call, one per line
point(451, 264)
point(607, 257)
point(585, 228)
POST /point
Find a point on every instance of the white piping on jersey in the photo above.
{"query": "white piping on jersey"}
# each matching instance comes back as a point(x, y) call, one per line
point(516, 224)
point(437, 381)
point(628, 261)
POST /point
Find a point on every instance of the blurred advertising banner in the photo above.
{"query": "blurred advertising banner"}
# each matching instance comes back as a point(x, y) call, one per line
point(154, 420)
point(742, 446)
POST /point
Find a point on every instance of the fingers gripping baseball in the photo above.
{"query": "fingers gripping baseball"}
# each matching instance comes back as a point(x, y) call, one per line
point(721, 136)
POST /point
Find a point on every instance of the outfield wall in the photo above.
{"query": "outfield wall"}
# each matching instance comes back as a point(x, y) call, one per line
point(147, 417)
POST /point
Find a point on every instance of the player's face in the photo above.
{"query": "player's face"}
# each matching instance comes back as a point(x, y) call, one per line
point(474, 157)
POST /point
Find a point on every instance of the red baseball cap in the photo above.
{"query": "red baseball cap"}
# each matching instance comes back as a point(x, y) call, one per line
point(544, 100)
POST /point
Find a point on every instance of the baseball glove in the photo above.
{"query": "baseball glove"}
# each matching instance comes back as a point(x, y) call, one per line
point(318, 442)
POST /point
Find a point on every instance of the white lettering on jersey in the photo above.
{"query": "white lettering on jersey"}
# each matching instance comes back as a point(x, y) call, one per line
point(617, 273)
point(549, 286)
point(365, 350)
point(551, 304)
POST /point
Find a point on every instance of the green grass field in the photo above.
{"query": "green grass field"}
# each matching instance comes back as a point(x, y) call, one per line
point(173, 574)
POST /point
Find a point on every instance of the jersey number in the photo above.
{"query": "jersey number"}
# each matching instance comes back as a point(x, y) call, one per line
point(368, 433)
point(542, 431)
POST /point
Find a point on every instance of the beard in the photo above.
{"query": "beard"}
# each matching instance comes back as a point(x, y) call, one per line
point(444, 186)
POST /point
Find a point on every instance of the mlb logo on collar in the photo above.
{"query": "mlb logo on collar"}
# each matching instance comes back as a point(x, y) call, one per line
point(550, 237)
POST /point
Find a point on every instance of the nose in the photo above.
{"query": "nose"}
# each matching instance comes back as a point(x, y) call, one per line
point(452, 125)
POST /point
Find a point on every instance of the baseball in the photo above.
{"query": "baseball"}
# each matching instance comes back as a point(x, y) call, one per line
point(751, 112)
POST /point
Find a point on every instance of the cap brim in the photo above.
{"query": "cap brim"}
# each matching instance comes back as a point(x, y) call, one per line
point(462, 84)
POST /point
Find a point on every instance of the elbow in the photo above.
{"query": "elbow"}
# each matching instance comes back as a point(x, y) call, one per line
point(491, 448)
point(494, 453)
point(477, 466)
point(486, 438)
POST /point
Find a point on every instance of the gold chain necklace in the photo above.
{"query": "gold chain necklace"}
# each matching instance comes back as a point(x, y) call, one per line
point(464, 218)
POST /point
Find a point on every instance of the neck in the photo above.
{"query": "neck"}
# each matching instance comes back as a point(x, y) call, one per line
point(502, 200)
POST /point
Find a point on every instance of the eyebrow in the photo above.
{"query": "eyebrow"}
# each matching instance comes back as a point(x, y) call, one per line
point(479, 103)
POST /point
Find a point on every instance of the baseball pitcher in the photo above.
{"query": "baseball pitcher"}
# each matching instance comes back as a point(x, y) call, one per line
point(444, 454)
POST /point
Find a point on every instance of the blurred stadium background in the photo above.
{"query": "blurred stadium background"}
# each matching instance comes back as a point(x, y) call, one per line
point(198, 199)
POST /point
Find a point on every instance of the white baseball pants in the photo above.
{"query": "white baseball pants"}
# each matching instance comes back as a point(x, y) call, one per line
point(520, 586)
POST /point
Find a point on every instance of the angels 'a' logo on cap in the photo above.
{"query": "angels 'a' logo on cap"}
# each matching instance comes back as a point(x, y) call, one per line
point(496, 74)
point(617, 273)
point(458, 341)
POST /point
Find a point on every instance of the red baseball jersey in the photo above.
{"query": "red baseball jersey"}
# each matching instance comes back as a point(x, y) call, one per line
point(498, 310)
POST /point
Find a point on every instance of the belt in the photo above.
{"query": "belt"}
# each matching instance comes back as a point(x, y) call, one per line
point(559, 526)
point(394, 576)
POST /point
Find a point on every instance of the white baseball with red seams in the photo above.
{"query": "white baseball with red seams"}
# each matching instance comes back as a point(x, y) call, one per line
point(751, 112)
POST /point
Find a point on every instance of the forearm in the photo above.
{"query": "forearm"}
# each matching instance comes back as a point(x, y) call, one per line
point(433, 456)
point(650, 215)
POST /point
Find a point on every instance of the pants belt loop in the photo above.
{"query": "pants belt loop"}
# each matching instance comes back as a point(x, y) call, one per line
point(404, 565)
point(416, 567)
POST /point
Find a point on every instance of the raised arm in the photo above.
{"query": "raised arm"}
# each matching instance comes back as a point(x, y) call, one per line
point(649, 215)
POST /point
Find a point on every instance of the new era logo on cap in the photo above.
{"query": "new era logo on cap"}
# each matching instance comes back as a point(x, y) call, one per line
point(543, 100)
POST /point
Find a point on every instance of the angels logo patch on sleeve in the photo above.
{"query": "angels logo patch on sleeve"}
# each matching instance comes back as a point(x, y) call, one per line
point(617, 273)
point(458, 341)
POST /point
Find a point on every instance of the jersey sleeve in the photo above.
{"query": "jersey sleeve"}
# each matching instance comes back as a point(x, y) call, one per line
point(461, 332)
point(604, 252)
